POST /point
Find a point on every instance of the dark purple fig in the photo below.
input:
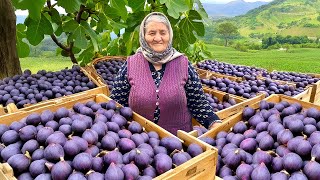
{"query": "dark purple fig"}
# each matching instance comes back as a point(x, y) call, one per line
point(30, 146)
point(144, 178)
point(154, 142)
point(90, 136)
point(126, 112)
point(100, 128)
point(233, 159)
point(93, 150)
point(120, 120)
point(112, 126)
point(194, 149)
point(315, 152)
point(10, 150)
point(33, 119)
point(145, 136)
point(288, 111)
point(114, 172)
point(137, 139)
point(171, 143)
point(295, 126)
point(135, 127)
point(82, 144)
point(27, 132)
point(239, 127)
point(284, 136)
point(142, 159)
point(265, 114)
point(263, 126)
point(112, 157)
point(312, 170)
point(260, 172)
point(277, 164)
point(150, 171)
point(65, 121)
point(111, 105)
point(293, 143)
point(314, 113)
point(53, 152)
point(179, 158)
point(130, 171)
point(274, 118)
point(146, 148)
point(237, 139)
point(153, 134)
point(79, 126)
point(282, 150)
point(298, 176)
point(25, 176)
point(95, 176)
point(261, 157)
point(266, 143)
point(160, 149)
point(100, 118)
point(61, 170)
point(126, 145)
point(228, 148)
point(38, 154)
point(309, 129)
point(279, 176)
point(249, 145)
point(77, 176)
point(229, 136)
point(244, 171)
point(19, 162)
point(124, 133)
point(279, 106)
point(57, 138)
point(255, 120)
point(71, 148)
point(250, 133)
point(9, 137)
point(46, 176)
point(263, 105)
point(275, 129)
point(43, 134)
point(3, 129)
point(314, 138)
point(208, 140)
point(108, 143)
point(114, 135)
point(221, 134)
point(247, 113)
point(248, 158)
point(65, 129)
point(97, 164)
point(37, 167)
point(309, 120)
point(61, 113)
point(17, 125)
point(303, 148)
point(82, 162)
point(163, 163)
point(53, 124)
point(225, 171)
point(292, 162)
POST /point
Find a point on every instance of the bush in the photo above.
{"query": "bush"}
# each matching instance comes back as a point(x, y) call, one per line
point(240, 47)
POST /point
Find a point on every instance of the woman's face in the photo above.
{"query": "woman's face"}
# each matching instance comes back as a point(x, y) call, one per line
point(157, 36)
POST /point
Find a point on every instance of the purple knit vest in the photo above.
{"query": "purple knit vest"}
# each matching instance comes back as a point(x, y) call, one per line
point(174, 113)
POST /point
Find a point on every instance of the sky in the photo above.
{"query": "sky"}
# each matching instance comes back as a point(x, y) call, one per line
point(19, 12)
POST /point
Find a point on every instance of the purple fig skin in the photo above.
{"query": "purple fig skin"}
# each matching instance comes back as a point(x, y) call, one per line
point(244, 171)
point(298, 175)
point(239, 127)
point(124, 133)
point(19, 162)
point(233, 159)
point(292, 162)
point(108, 143)
point(82, 144)
point(112, 157)
point(61, 170)
point(95, 176)
point(312, 170)
point(163, 163)
point(43, 134)
point(97, 164)
point(27, 132)
point(120, 120)
point(114, 173)
point(25, 176)
point(315, 152)
point(142, 159)
point(71, 148)
point(130, 171)
point(46, 176)
point(279, 176)
point(277, 164)
point(37, 167)
point(249, 145)
point(126, 145)
point(261, 157)
point(9, 137)
point(137, 139)
point(30, 146)
point(93, 150)
point(194, 150)
point(225, 171)
point(153, 134)
point(53, 152)
point(57, 137)
point(10, 150)
point(150, 171)
point(77, 176)
point(90, 136)
point(171, 143)
point(260, 172)
point(135, 127)
point(179, 158)
point(304, 148)
point(82, 162)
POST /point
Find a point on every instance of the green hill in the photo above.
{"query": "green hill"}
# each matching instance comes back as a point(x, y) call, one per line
point(284, 17)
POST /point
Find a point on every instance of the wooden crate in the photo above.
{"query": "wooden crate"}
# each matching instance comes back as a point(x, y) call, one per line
point(209, 75)
point(2, 110)
point(305, 95)
point(93, 72)
point(315, 97)
point(6, 172)
point(202, 166)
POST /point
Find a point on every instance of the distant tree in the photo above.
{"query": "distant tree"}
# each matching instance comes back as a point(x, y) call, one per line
point(227, 30)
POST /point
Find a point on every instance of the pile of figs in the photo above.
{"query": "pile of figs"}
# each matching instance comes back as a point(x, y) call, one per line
point(218, 105)
point(250, 88)
point(302, 80)
point(278, 141)
point(32, 88)
point(108, 70)
point(249, 73)
point(90, 141)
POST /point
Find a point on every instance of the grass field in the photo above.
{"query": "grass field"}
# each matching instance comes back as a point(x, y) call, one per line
point(304, 60)
point(47, 63)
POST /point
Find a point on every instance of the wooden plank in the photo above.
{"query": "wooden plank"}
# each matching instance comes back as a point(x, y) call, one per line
point(305, 95)
point(315, 95)
point(200, 166)
point(6, 172)
point(2, 111)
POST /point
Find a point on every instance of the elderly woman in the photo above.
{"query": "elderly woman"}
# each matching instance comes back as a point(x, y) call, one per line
point(159, 83)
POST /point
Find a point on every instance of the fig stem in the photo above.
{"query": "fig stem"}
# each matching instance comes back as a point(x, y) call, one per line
point(27, 154)
point(313, 158)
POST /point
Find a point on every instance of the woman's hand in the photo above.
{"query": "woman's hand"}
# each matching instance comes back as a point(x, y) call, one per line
point(215, 124)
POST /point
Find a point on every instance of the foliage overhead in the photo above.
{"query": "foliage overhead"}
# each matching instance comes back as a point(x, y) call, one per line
point(109, 27)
